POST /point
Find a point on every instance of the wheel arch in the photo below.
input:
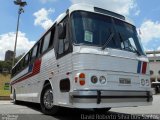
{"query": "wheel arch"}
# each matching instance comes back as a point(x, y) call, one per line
point(47, 82)
point(44, 83)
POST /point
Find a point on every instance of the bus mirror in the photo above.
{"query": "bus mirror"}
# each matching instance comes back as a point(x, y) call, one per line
point(61, 31)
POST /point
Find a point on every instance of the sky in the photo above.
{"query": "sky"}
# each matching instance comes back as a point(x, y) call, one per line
point(39, 15)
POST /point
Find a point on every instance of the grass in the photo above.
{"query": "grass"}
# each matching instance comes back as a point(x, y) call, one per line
point(4, 78)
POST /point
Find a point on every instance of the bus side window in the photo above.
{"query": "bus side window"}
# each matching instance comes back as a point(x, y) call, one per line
point(17, 66)
point(46, 42)
point(26, 61)
point(21, 64)
point(15, 71)
point(61, 47)
point(34, 52)
point(63, 40)
point(12, 73)
point(52, 37)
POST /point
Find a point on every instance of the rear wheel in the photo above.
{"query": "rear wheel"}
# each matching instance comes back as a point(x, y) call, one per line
point(47, 104)
point(14, 98)
point(101, 110)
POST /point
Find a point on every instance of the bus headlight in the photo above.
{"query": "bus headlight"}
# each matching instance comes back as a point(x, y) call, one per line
point(142, 82)
point(147, 82)
point(102, 80)
point(94, 79)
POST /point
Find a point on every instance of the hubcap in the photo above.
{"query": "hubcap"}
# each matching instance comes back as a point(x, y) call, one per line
point(48, 99)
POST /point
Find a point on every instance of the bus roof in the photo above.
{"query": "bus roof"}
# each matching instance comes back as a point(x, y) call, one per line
point(95, 9)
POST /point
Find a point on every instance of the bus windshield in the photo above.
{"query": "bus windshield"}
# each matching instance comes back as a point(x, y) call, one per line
point(104, 31)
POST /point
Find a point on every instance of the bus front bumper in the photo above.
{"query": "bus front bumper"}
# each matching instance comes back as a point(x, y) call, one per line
point(101, 96)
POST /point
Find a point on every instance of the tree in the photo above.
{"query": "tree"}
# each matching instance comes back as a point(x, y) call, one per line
point(8, 64)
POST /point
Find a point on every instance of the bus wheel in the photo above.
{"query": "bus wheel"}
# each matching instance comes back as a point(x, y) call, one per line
point(101, 110)
point(47, 104)
point(14, 97)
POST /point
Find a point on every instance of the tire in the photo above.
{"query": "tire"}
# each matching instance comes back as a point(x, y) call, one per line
point(14, 98)
point(156, 90)
point(46, 101)
point(101, 110)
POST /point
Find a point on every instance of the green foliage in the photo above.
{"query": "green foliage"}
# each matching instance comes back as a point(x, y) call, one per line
point(5, 64)
point(8, 64)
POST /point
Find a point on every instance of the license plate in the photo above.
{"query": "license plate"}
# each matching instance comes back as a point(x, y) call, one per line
point(126, 81)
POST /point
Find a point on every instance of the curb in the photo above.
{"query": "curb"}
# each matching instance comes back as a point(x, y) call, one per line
point(5, 98)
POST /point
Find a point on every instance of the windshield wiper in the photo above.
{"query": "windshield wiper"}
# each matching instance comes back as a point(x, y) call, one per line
point(132, 47)
point(108, 41)
point(135, 50)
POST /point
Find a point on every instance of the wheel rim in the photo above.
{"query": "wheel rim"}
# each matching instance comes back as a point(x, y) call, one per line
point(48, 99)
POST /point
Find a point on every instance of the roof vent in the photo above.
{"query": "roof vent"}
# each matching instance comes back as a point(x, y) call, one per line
point(107, 12)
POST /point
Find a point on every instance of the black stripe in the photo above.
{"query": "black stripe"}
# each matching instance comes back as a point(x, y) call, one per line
point(109, 97)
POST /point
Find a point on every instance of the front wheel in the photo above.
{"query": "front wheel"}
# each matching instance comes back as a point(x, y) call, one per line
point(47, 104)
point(101, 110)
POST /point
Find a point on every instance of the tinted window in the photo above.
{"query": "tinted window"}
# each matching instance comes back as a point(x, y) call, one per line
point(52, 37)
point(18, 67)
point(26, 60)
point(22, 63)
point(99, 30)
point(13, 71)
point(46, 42)
point(128, 36)
point(61, 46)
point(66, 44)
point(34, 52)
point(92, 29)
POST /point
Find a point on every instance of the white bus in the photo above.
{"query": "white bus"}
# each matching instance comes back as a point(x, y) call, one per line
point(90, 58)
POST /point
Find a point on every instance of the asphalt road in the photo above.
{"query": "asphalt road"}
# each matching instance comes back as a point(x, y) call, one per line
point(30, 111)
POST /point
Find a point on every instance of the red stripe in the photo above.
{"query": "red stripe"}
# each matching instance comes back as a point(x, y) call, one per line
point(36, 70)
point(144, 68)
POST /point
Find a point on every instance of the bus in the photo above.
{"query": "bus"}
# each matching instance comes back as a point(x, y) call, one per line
point(154, 61)
point(91, 58)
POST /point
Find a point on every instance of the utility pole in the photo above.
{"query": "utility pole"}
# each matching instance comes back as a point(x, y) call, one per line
point(21, 4)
